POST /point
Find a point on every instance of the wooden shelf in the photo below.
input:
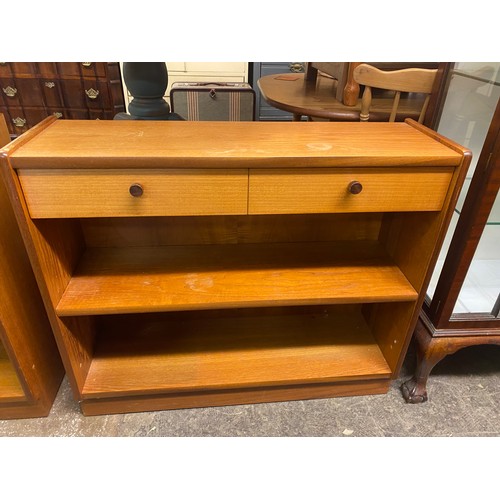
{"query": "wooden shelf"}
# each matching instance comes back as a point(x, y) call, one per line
point(217, 350)
point(10, 387)
point(152, 279)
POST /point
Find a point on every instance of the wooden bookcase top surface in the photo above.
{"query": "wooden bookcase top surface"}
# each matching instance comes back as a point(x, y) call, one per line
point(87, 144)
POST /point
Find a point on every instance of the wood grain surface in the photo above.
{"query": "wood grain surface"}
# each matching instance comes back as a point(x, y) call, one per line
point(10, 388)
point(147, 310)
point(319, 99)
point(229, 229)
point(252, 395)
point(131, 144)
point(60, 193)
point(142, 279)
point(138, 355)
point(323, 190)
point(30, 366)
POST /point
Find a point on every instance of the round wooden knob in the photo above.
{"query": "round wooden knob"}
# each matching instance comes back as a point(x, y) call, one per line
point(136, 190)
point(355, 187)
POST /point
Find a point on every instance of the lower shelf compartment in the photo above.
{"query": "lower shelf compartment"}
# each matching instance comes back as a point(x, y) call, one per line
point(10, 387)
point(147, 354)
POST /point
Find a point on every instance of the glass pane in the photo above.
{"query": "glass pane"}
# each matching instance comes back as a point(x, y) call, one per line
point(468, 109)
point(471, 100)
point(481, 287)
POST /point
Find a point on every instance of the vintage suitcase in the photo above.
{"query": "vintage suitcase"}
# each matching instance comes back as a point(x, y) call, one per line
point(197, 101)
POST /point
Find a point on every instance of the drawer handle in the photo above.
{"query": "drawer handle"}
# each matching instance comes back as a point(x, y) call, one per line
point(296, 67)
point(50, 85)
point(86, 64)
point(136, 190)
point(10, 91)
point(92, 93)
point(355, 187)
point(19, 122)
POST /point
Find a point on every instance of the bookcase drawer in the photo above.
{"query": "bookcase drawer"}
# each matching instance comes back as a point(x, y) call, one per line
point(323, 190)
point(54, 193)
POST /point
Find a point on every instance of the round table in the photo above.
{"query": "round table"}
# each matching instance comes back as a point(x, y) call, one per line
point(292, 93)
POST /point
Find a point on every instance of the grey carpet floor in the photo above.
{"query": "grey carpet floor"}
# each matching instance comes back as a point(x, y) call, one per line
point(464, 400)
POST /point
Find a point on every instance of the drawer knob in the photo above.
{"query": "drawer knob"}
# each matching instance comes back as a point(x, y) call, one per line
point(136, 190)
point(355, 187)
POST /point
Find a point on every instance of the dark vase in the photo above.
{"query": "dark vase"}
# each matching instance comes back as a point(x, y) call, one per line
point(147, 82)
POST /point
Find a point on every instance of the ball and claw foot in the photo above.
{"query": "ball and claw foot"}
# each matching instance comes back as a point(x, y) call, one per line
point(413, 392)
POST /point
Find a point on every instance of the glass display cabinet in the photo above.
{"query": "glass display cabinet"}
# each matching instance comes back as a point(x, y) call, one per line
point(462, 306)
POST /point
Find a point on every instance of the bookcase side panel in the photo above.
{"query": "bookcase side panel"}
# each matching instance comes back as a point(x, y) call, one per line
point(413, 240)
point(54, 247)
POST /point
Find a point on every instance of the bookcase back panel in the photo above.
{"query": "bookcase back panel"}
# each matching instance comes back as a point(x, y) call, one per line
point(219, 230)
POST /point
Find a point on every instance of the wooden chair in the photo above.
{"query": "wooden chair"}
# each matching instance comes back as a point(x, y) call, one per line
point(416, 80)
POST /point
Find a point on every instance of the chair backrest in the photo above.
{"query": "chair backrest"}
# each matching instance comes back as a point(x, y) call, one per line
point(416, 80)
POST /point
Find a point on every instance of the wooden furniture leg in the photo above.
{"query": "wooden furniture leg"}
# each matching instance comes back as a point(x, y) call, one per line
point(430, 350)
point(351, 89)
point(429, 353)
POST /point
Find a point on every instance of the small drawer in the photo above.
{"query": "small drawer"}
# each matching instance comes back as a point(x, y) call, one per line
point(324, 190)
point(20, 119)
point(85, 93)
point(82, 69)
point(10, 69)
point(54, 193)
point(21, 92)
point(52, 92)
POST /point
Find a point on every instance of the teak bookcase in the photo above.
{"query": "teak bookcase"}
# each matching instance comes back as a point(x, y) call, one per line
point(190, 264)
point(30, 366)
